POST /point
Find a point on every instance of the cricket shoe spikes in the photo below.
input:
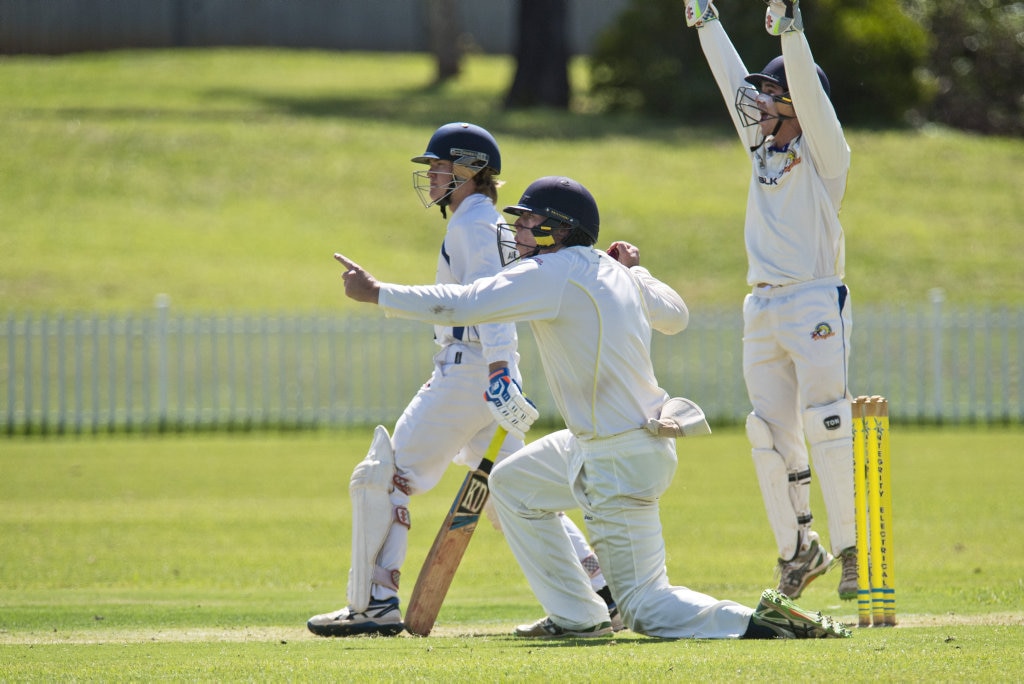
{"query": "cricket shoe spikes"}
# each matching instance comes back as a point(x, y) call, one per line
point(546, 628)
point(790, 621)
point(380, 617)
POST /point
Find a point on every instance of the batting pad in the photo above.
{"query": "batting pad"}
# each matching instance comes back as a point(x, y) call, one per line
point(829, 432)
point(370, 491)
point(781, 493)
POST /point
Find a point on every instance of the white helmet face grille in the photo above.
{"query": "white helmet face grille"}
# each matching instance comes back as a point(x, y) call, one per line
point(421, 181)
point(508, 248)
point(751, 105)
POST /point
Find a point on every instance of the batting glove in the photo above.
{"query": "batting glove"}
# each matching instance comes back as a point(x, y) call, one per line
point(510, 408)
point(783, 16)
point(699, 12)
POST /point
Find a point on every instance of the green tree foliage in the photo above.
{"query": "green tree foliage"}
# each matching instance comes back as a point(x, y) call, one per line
point(872, 51)
point(976, 63)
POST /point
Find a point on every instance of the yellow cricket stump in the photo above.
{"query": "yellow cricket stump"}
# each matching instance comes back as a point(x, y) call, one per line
point(876, 578)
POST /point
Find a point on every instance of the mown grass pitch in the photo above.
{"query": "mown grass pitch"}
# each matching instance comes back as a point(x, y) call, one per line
point(201, 558)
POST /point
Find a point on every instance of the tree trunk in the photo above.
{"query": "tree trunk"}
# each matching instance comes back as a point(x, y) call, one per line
point(542, 56)
point(445, 38)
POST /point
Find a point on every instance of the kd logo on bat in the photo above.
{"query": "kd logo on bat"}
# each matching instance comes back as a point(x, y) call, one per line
point(471, 503)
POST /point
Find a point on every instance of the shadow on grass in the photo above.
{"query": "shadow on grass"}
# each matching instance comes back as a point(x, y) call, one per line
point(412, 107)
point(415, 106)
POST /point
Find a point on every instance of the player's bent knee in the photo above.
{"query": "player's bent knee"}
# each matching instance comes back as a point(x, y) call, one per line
point(759, 434)
point(376, 470)
point(828, 423)
point(504, 489)
point(496, 481)
point(491, 513)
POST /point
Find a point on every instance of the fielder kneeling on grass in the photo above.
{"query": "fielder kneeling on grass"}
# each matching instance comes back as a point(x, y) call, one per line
point(592, 315)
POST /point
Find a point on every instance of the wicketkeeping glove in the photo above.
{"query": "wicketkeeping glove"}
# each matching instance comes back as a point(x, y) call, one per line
point(511, 409)
point(679, 417)
point(699, 12)
point(782, 16)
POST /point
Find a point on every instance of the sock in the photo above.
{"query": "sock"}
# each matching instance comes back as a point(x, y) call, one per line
point(756, 631)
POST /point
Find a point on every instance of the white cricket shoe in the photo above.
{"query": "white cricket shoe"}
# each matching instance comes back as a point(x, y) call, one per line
point(546, 628)
point(380, 617)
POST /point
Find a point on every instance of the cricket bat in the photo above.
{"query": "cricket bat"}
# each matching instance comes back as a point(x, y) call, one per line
point(450, 544)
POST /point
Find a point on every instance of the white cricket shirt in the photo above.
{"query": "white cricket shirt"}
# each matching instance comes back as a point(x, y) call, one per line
point(470, 251)
point(792, 228)
point(592, 319)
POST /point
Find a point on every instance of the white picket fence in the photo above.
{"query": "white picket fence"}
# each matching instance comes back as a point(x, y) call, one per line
point(176, 372)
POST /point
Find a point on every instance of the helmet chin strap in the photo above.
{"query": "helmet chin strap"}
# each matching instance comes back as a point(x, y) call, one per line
point(447, 199)
point(771, 136)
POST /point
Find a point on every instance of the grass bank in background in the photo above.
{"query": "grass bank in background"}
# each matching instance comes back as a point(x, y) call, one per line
point(227, 178)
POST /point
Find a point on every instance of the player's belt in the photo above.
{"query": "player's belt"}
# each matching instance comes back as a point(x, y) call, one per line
point(452, 354)
point(770, 290)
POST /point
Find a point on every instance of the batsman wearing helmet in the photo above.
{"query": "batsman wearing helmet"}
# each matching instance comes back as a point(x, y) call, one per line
point(797, 319)
point(593, 316)
point(453, 415)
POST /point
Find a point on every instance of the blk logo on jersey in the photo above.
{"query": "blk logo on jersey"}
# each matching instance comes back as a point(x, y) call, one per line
point(822, 331)
point(833, 422)
point(791, 161)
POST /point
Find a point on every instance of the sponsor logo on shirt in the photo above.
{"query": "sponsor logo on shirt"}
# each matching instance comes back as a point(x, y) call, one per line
point(792, 160)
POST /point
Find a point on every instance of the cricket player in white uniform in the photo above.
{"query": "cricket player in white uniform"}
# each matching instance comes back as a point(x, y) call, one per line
point(449, 418)
point(797, 319)
point(593, 316)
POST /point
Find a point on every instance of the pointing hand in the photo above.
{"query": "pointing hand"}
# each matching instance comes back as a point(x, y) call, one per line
point(359, 285)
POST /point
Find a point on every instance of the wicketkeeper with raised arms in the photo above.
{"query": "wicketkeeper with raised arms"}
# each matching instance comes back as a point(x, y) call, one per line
point(593, 316)
point(797, 319)
point(452, 416)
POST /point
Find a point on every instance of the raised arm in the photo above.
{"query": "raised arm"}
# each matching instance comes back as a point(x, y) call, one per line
point(725, 63)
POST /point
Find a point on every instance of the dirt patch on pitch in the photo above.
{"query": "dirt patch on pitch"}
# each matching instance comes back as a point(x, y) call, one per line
point(291, 634)
point(105, 636)
point(955, 620)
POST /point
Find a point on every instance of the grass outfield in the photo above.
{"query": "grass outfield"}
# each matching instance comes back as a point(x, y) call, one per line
point(200, 558)
point(227, 178)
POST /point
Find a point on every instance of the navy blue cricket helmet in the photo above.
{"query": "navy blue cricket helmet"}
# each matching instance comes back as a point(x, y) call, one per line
point(775, 72)
point(464, 144)
point(564, 203)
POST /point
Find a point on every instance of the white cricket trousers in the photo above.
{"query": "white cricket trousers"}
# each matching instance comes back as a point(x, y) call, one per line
point(616, 482)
